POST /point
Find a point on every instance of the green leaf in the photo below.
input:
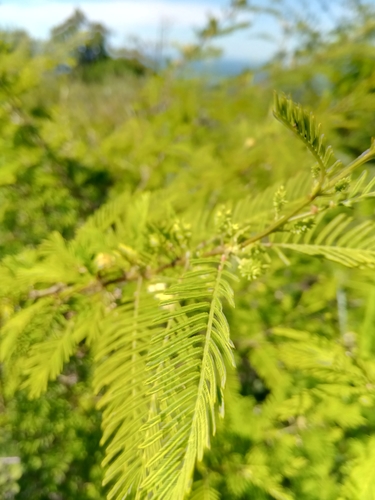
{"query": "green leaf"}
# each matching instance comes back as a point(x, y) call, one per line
point(121, 376)
point(360, 482)
point(202, 490)
point(304, 125)
point(187, 376)
point(17, 324)
point(339, 241)
point(46, 359)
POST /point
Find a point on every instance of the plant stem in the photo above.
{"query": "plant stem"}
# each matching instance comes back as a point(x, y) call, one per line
point(283, 220)
point(368, 155)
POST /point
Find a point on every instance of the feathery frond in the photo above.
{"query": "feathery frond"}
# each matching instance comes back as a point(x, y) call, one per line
point(121, 376)
point(203, 491)
point(360, 482)
point(46, 358)
point(187, 375)
point(336, 382)
point(106, 214)
point(338, 240)
point(304, 125)
point(20, 323)
point(360, 190)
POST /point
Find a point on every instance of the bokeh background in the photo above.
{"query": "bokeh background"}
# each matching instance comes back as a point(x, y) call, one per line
point(99, 97)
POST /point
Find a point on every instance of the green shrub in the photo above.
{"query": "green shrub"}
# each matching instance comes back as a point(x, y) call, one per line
point(146, 288)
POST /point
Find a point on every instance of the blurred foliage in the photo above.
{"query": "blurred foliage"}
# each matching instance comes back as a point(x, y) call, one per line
point(79, 127)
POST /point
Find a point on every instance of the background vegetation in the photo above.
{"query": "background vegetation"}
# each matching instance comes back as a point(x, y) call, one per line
point(79, 127)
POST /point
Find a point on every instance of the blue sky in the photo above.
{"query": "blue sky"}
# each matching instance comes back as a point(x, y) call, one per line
point(126, 18)
point(142, 18)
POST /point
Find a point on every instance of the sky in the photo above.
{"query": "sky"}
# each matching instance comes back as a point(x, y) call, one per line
point(145, 19)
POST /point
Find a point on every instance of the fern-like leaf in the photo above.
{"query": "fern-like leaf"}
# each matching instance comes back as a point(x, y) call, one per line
point(45, 360)
point(304, 125)
point(360, 190)
point(360, 482)
point(203, 491)
point(187, 363)
point(121, 374)
point(106, 215)
point(18, 324)
point(336, 381)
point(339, 241)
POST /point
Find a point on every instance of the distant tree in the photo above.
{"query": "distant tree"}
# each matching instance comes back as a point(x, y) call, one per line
point(87, 44)
point(87, 40)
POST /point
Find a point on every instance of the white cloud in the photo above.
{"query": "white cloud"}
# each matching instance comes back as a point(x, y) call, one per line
point(131, 17)
point(120, 16)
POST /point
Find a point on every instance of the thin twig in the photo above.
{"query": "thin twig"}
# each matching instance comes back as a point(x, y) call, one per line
point(37, 294)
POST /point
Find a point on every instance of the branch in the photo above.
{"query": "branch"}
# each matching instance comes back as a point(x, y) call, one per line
point(135, 273)
point(368, 155)
point(37, 294)
point(285, 218)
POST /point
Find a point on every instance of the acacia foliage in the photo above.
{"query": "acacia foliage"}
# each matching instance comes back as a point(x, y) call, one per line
point(143, 286)
point(299, 405)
